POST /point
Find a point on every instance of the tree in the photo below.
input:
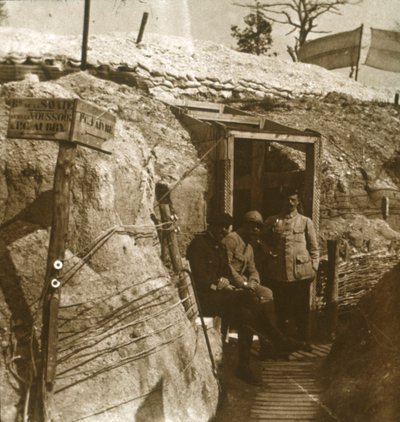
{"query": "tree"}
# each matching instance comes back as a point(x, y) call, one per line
point(301, 15)
point(256, 37)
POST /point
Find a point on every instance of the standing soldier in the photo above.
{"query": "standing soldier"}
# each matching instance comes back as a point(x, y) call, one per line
point(292, 262)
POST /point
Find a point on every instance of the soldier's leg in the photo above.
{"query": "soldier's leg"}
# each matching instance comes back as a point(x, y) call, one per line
point(302, 309)
point(282, 307)
point(255, 317)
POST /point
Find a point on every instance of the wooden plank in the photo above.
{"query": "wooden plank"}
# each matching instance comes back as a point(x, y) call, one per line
point(201, 105)
point(60, 119)
point(57, 244)
point(281, 416)
point(257, 175)
point(225, 117)
point(285, 412)
point(274, 137)
point(332, 287)
point(289, 406)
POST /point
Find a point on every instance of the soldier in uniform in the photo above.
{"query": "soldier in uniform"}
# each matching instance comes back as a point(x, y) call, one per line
point(219, 297)
point(292, 263)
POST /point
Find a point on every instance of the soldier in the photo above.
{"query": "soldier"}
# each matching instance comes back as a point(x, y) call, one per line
point(239, 247)
point(219, 297)
point(292, 263)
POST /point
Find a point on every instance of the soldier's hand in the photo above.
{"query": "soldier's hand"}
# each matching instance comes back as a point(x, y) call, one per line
point(252, 285)
point(223, 283)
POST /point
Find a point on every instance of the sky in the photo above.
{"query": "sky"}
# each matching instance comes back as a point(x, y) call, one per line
point(200, 19)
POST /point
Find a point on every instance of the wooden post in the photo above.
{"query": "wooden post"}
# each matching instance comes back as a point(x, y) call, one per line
point(142, 27)
point(57, 245)
point(396, 99)
point(85, 35)
point(257, 175)
point(359, 53)
point(385, 202)
point(332, 288)
point(175, 255)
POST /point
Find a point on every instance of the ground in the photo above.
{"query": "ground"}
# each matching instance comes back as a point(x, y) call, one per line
point(236, 395)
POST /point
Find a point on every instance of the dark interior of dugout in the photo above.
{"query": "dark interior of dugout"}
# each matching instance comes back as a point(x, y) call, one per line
point(263, 171)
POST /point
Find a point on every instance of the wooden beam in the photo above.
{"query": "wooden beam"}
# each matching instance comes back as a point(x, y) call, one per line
point(199, 130)
point(274, 137)
point(201, 105)
point(226, 118)
point(57, 245)
point(176, 259)
point(225, 172)
point(257, 175)
point(332, 288)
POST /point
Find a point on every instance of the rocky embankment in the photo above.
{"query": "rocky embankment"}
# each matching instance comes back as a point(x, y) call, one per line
point(363, 369)
point(126, 345)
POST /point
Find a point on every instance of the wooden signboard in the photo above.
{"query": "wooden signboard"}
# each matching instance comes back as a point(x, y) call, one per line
point(72, 122)
point(60, 119)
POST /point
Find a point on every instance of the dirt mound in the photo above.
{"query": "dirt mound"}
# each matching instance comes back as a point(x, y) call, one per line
point(363, 369)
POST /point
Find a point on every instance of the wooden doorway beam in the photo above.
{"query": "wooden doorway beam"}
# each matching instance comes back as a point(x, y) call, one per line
point(257, 175)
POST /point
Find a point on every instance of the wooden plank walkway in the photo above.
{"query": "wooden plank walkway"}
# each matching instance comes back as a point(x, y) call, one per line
point(292, 389)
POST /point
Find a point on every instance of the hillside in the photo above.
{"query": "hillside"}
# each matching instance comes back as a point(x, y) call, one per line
point(124, 293)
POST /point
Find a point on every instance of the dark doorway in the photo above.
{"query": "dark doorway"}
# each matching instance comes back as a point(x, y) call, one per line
point(262, 171)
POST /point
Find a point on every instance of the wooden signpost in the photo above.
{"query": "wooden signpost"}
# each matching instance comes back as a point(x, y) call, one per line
point(72, 122)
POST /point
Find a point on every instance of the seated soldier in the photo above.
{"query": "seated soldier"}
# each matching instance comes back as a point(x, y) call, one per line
point(219, 297)
point(239, 247)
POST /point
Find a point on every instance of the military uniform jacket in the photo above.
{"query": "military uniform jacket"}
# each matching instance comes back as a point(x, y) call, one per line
point(241, 259)
point(208, 262)
point(291, 247)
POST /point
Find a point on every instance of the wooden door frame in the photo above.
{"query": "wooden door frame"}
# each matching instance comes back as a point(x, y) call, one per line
point(311, 145)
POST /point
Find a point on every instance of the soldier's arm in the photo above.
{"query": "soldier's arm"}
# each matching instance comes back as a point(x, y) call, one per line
point(198, 265)
point(238, 279)
point(252, 273)
point(312, 243)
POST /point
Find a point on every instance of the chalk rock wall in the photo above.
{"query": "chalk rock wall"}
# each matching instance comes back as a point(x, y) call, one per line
point(127, 348)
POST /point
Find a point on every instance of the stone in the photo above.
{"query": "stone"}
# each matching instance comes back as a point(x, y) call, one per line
point(124, 281)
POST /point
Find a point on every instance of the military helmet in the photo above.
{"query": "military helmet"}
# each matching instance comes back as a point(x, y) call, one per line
point(253, 217)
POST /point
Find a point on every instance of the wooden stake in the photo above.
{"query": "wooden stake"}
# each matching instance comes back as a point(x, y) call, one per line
point(175, 255)
point(359, 53)
point(85, 35)
point(57, 245)
point(142, 26)
point(332, 288)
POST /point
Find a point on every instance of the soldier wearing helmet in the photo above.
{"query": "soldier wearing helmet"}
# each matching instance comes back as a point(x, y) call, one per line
point(218, 295)
point(240, 252)
point(244, 272)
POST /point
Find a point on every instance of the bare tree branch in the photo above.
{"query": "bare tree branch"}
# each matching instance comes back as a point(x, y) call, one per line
point(301, 15)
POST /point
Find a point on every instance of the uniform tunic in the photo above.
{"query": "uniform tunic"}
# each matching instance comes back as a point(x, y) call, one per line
point(241, 259)
point(292, 252)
